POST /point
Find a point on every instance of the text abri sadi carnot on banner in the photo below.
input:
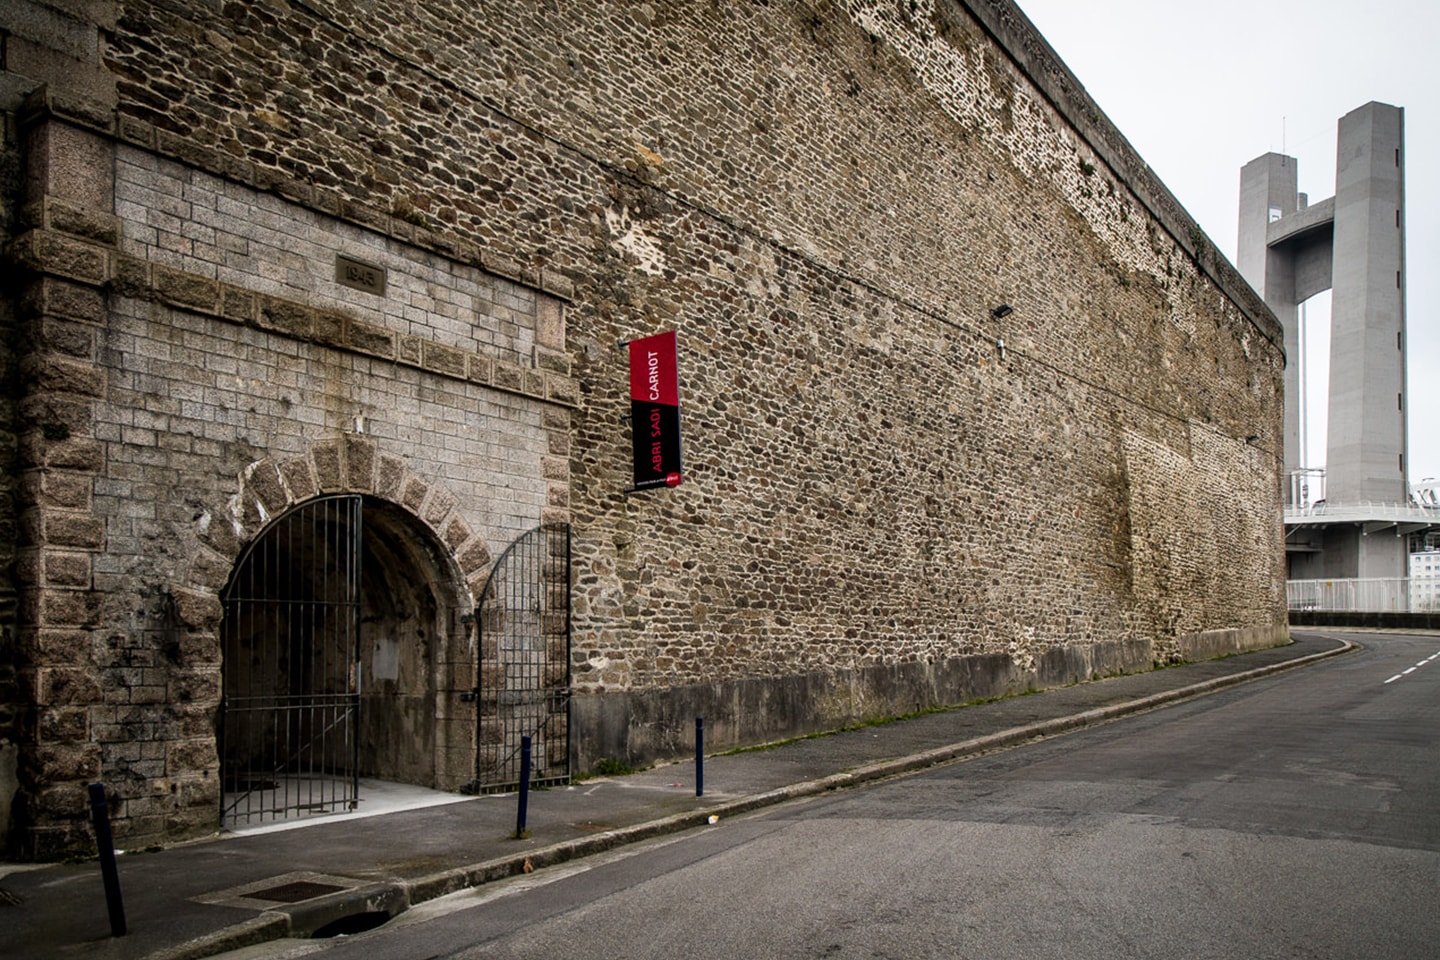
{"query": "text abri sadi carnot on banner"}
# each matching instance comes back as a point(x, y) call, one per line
point(655, 411)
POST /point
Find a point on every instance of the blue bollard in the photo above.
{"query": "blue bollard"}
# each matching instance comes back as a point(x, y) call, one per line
point(699, 756)
point(105, 841)
point(524, 786)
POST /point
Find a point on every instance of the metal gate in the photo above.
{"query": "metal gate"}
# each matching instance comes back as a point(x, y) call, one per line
point(524, 669)
point(291, 670)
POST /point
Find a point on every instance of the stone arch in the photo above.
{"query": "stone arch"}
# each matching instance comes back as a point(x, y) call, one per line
point(416, 526)
point(351, 464)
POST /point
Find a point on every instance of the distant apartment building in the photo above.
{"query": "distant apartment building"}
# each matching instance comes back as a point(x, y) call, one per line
point(1425, 581)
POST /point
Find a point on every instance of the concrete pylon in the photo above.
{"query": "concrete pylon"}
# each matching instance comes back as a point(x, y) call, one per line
point(1365, 451)
point(1268, 195)
point(1354, 245)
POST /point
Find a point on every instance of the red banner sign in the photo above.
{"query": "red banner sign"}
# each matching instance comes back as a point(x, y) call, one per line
point(655, 411)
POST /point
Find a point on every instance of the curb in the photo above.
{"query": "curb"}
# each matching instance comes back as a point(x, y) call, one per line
point(395, 897)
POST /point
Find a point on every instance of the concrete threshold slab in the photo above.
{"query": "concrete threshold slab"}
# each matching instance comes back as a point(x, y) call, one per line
point(377, 798)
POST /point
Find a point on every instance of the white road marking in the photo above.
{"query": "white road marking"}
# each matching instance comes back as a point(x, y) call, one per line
point(1429, 659)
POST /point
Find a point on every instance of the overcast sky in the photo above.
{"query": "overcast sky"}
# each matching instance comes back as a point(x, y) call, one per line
point(1202, 89)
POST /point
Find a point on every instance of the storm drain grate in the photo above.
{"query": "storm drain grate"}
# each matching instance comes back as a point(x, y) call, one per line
point(287, 888)
point(294, 892)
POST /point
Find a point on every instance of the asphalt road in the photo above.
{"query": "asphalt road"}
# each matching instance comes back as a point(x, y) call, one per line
point(1292, 817)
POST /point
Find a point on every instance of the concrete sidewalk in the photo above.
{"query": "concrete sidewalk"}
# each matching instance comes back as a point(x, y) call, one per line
point(209, 897)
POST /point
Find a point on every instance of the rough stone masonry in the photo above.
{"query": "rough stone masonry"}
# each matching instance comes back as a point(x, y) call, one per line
point(894, 496)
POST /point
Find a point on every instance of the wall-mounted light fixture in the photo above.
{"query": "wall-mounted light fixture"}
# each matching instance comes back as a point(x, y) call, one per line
point(1000, 313)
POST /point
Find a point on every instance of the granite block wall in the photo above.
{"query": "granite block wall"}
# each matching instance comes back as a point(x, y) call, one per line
point(190, 367)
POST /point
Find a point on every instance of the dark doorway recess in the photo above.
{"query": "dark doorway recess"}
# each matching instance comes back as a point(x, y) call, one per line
point(343, 642)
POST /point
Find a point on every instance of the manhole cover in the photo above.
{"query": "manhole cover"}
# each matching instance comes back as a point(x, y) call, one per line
point(294, 892)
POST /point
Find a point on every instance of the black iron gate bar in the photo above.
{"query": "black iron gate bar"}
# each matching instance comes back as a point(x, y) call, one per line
point(290, 709)
point(524, 665)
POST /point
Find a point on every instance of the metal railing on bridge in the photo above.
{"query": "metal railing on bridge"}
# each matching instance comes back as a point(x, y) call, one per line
point(1377, 595)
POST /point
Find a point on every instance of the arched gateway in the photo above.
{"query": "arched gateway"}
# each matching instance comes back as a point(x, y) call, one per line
point(351, 649)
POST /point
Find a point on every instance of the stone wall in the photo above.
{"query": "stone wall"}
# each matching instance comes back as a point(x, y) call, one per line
point(193, 367)
point(892, 499)
point(12, 709)
point(40, 43)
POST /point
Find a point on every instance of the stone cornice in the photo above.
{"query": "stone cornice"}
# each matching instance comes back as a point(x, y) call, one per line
point(48, 252)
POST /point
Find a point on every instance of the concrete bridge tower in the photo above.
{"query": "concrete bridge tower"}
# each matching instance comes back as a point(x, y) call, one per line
point(1354, 245)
